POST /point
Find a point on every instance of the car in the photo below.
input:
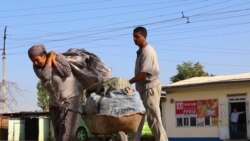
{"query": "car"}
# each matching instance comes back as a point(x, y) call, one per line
point(83, 133)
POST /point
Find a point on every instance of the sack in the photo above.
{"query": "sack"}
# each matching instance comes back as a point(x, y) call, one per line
point(108, 85)
point(87, 67)
point(116, 103)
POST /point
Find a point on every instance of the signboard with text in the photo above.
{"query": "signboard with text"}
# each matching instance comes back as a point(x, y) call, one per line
point(185, 108)
point(200, 109)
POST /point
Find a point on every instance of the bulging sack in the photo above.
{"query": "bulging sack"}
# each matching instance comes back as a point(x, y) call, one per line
point(87, 67)
point(116, 103)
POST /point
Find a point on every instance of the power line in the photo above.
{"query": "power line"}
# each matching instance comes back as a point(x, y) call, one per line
point(210, 47)
point(153, 23)
point(159, 22)
point(196, 29)
point(107, 8)
point(213, 35)
point(53, 6)
point(205, 36)
point(224, 12)
point(79, 19)
point(227, 7)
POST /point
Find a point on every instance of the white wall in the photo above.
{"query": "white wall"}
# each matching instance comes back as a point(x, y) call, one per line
point(16, 130)
point(44, 125)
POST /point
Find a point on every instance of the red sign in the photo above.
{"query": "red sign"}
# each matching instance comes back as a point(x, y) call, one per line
point(185, 108)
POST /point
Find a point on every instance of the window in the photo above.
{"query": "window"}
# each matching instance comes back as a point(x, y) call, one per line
point(179, 122)
point(207, 120)
point(193, 121)
point(186, 122)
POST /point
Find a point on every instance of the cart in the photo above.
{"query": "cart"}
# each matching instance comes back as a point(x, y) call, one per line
point(116, 126)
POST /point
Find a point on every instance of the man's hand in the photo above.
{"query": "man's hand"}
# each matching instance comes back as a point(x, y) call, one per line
point(138, 77)
point(51, 60)
point(54, 62)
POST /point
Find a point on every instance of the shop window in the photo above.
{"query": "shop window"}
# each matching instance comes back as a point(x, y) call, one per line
point(179, 122)
point(207, 120)
point(193, 121)
point(186, 122)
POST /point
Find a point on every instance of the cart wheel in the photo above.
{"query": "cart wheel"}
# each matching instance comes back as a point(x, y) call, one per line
point(81, 134)
point(121, 136)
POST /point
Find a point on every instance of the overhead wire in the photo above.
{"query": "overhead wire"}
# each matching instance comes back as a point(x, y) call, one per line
point(94, 9)
point(53, 6)
point(167, 60)
point(106, 25)
point(196, 15)
point(117, 14)
point(158, 22)
point(83, 3)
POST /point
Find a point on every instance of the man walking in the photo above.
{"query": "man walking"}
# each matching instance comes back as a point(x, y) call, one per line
point(148, 84)
point(234, 121)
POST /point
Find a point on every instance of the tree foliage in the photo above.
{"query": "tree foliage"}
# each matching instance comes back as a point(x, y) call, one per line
point(43, 97)
point(188, 70)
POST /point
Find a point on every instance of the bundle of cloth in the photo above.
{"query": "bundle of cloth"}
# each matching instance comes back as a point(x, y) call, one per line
point(114, 97)
point(87, 67)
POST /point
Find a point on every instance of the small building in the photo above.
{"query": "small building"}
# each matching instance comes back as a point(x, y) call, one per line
point(199, 109)
point(25, 126)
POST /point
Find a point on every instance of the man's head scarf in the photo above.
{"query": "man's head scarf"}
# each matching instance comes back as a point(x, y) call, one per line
point(36, 50)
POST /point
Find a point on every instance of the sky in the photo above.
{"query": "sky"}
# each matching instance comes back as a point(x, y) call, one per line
point(214, 33)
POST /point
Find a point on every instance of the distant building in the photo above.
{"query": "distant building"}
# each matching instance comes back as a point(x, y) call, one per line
point(199, 109)
point(25, 126)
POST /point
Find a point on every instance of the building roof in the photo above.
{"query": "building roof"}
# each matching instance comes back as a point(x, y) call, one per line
point(210, 80)
point(25, 114)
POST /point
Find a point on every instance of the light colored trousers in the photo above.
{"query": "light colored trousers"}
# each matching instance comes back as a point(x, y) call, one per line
point(151, 101)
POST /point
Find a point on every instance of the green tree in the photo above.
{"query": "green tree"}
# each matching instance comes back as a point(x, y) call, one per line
point(43, 97)
point(188, 70)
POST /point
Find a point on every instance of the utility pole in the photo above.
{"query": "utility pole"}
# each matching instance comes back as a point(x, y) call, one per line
point(3, 85)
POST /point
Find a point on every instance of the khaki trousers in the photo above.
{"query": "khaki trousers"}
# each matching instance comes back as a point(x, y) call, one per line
point(151, 101)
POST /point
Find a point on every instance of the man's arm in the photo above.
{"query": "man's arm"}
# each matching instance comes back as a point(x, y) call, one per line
point(49, 61)
point(139, 76)
point(61, 65)
point(241, 112)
